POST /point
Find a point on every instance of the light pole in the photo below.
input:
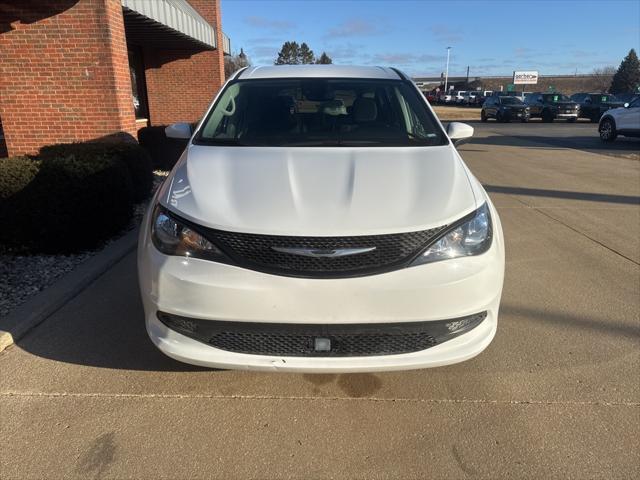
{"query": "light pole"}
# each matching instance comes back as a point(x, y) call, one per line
point(446, 75)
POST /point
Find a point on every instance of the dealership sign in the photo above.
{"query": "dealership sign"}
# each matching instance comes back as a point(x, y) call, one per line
point(525, 78)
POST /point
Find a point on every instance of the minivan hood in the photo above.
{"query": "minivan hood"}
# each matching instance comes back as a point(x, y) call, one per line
point(320, 191)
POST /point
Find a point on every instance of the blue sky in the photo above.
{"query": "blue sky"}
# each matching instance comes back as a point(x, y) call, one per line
point(492, 37)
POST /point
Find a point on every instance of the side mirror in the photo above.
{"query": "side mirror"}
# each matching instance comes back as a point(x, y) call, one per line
point(626, 105)
point(179, 130)
point(459, 133)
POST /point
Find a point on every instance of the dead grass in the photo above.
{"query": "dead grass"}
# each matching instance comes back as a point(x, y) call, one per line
point(447, 114)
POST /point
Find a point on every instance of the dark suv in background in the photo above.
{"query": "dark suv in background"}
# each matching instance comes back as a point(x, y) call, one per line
point(593, 105)
point(549, 106)
point(504, 109)
point(627, 97)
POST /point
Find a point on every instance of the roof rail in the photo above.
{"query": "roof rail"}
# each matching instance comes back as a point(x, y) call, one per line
point(238, 73)
point(400, 74)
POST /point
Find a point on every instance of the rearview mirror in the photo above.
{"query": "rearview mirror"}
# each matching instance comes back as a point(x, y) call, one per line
point(178, 130)
point(459, 133)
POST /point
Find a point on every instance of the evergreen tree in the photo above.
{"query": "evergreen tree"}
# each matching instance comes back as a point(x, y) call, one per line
point(305, 55)
point(293, 54)
point(289, 54)
point(324, 59)
point(627, 78)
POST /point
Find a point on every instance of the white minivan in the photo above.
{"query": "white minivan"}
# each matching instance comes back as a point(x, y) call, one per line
point(321, 219)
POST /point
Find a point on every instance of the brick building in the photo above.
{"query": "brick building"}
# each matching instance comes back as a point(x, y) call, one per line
point(76, 70)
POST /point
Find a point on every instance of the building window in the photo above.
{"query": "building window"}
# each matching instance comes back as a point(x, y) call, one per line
point(138, 87)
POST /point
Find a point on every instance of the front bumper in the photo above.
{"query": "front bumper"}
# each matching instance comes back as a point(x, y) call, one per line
point(207, 290)
point(517, 115)
point(567, 115)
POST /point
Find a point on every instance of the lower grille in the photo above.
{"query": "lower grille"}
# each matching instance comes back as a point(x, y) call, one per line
point(303, 345)
point(299, 340)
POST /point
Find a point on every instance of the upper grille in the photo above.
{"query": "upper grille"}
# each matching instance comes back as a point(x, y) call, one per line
point(256, 252)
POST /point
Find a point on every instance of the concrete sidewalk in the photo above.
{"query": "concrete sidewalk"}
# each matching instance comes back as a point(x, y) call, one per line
point(556, 395)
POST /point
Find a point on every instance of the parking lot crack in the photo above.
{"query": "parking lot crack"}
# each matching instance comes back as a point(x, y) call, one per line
point(570, 227)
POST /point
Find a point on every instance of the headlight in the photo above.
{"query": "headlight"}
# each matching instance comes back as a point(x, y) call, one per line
point(172, 237)
point(471, 237)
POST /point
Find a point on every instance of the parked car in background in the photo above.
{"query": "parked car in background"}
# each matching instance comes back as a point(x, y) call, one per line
point(504, 109)
point(458, 96)
point(549, 106)
point(472, 98)
point(431, 96)
point(627, 97)
point(593, 105)
point(623, 121)
point(236, 272)
point(445, 98)
point(504, 94)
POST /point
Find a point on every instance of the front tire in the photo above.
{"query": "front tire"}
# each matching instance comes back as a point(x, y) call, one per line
point(607, 130)
point(483, 116)
point(571, 120)
point(547, 117)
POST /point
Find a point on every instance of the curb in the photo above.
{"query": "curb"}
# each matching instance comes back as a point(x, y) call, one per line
point(41, 306)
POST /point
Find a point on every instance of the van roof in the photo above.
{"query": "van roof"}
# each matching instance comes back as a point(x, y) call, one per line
point(319, 71)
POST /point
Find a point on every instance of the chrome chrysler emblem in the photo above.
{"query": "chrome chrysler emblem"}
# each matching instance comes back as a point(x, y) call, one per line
point(323, 253)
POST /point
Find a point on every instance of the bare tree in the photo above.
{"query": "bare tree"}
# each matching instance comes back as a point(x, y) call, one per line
point(233, 63)
point(603, 77)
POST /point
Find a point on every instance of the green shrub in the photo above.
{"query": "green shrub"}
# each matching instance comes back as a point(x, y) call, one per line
point(136, 159)
point(15, 174)
point(63, 204)
point(164, 151)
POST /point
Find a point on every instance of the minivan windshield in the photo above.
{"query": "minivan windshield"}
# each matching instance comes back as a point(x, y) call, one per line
point(320, 112)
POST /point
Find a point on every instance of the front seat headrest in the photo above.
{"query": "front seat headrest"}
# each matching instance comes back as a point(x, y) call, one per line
point(365, 110)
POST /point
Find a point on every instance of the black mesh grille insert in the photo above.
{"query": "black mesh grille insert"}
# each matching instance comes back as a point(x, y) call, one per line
point(256, 252)
point(303, 345)
point(297, 340)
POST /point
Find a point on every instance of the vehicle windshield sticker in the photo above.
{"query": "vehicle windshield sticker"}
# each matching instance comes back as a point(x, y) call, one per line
point(555, 98)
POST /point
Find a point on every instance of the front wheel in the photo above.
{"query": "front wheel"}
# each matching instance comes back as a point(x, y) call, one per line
point(607, 130)
point(547, 117)
point(483, 116)
point(524, 120)
point(571, 120)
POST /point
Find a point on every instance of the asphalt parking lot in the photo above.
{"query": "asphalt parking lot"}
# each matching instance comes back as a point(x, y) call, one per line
point(556, 395)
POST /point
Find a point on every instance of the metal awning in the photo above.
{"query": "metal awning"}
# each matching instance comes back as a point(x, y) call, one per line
point(226, 44)
point(167, 21)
